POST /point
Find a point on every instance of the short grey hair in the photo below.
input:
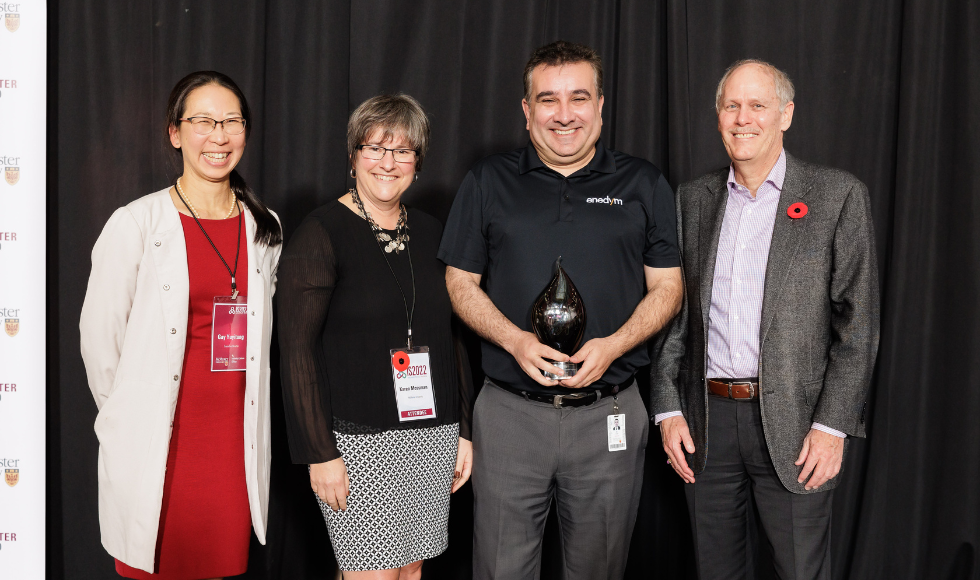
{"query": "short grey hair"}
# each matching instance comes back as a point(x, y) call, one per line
point(784, 86)
point(392, 114)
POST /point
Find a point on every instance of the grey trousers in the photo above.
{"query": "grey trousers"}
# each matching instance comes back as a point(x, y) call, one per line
point(797, 525)
point(524, 454)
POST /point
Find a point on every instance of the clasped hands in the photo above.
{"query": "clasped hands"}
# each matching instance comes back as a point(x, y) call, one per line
point(821, 455)
point(595, 356)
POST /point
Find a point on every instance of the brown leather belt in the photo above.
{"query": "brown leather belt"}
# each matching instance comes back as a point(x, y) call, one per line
point(735, 388)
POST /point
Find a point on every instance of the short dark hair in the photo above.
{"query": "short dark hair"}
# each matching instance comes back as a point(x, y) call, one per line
point(390, 113)
point(267, 229)
point(562, 52)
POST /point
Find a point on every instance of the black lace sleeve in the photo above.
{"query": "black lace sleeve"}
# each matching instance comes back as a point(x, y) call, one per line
point(307, 277)
point(465, 381)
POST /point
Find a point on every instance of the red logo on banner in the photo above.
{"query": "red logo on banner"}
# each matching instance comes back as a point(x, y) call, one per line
point(12, 22)
point(11, 476)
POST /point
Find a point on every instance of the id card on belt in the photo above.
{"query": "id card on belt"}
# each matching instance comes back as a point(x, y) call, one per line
point(229, 333)
point(616, 432)
point(412, 374)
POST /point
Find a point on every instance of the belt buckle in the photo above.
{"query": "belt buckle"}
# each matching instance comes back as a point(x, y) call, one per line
point(747, 383)
point(559, 398)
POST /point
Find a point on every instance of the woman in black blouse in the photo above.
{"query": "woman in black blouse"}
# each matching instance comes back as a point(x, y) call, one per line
point(376, 400)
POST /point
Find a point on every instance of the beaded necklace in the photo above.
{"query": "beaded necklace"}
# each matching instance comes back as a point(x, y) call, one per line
point(401, 229)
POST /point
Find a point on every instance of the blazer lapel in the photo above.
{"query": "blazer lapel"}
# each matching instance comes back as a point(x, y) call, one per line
point(712, 215)
point(787, 233)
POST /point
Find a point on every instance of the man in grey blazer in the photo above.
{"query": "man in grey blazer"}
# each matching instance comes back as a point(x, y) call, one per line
point(777, 337)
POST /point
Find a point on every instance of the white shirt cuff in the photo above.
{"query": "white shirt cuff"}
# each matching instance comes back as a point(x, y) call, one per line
point(661, 416)
point(825, 429)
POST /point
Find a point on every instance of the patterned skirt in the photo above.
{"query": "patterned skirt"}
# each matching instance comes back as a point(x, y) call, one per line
point(398, 509)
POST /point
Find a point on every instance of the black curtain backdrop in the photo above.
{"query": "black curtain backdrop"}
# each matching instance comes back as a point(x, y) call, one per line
point(887, 90)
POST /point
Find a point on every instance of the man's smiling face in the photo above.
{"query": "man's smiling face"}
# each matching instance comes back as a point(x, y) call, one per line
point(564, 116)
point(750, 122)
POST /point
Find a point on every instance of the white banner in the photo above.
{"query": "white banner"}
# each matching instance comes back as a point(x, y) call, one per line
point(23, 110)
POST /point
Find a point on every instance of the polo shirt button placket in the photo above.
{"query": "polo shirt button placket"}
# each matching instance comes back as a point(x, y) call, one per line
point(564, 209)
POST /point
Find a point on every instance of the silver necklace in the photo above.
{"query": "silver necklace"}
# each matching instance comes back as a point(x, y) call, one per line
point(401, 229)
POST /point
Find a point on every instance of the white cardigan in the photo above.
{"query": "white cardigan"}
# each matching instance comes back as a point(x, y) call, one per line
point(133, 328)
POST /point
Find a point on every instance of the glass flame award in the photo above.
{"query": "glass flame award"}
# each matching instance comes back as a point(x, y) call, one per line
point(558, 319)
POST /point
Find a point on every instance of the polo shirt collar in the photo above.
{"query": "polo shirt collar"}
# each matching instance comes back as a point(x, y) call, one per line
point(602, 162)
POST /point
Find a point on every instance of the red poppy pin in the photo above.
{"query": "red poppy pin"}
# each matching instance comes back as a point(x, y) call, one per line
point(400, 361)
point(797, 210)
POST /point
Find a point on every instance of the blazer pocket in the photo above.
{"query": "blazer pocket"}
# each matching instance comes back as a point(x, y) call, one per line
point(811, 391)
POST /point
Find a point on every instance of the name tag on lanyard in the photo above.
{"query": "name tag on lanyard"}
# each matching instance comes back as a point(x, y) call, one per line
point(229, 333)
point(412, 375)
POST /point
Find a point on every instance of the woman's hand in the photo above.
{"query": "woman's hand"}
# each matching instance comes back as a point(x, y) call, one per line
point(464, 464)
point(330, 482)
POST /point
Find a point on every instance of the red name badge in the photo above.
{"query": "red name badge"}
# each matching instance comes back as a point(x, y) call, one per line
point(229, 333)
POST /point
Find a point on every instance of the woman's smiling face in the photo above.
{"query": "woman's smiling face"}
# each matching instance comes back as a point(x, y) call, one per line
point(209, 157)
point(383, 181)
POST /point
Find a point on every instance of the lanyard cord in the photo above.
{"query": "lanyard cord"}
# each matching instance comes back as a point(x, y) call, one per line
point(238, 247)
point(408, 315)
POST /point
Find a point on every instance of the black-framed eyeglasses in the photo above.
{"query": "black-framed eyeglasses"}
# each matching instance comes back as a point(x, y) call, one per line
point(205, 125)
point(376, 152)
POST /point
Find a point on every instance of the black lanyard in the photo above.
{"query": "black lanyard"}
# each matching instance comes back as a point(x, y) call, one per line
point(408, 314)
point(238, 248)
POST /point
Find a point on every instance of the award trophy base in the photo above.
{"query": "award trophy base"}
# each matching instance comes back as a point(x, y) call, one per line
point(570, 369)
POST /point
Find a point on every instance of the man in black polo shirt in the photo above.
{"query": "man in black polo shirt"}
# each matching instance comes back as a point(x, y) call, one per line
point(611, 219)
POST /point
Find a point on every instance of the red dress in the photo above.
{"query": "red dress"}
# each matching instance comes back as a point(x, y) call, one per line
point(205, 524)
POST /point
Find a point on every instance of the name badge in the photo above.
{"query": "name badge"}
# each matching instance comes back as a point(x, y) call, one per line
point(229, 333)
point(616, 432)
point(413, 383)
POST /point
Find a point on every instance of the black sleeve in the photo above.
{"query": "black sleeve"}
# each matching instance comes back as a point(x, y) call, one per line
point(307, 277)
point(465, 380)
point(661, 247)
point(464, 242)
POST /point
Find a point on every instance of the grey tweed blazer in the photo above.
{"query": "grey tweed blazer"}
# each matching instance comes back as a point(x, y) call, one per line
point(819, 333)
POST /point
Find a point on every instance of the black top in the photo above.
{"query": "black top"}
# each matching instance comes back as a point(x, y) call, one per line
point(513, 216)
point(340, 313)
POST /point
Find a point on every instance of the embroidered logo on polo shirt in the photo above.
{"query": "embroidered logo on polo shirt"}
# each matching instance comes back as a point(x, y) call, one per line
point(605, 200)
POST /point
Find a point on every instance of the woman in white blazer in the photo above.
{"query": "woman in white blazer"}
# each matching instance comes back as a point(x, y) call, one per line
point(184, 450)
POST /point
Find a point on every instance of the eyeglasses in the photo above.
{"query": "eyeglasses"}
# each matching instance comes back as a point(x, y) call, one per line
point(205, 125)
point(376, 152)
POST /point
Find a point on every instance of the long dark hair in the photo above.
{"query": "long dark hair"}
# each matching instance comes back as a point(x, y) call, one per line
point(267, 229)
